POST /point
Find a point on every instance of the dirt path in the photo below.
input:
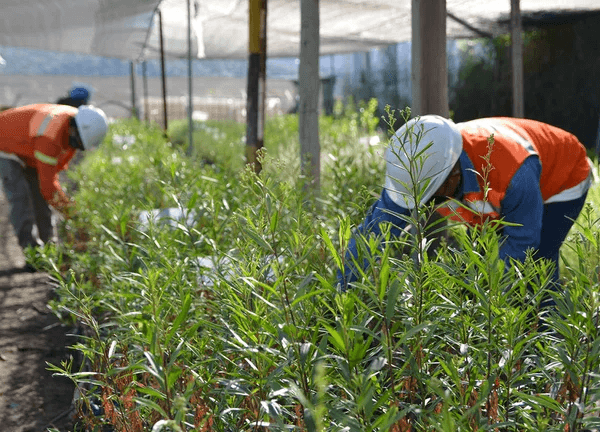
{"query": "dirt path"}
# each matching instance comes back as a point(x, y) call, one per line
point(31, 399)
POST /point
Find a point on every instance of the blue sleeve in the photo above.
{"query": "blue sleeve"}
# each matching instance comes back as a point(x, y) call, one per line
point(523, 204)
point(384, 210)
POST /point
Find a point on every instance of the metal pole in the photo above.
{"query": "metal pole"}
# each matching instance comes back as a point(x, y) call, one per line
point(332, 64)
point(134, 112)
point(190, 95)
point(252, 82)
point(256, 81)
point(262, 75)
point(163, 72)
point(145, 82)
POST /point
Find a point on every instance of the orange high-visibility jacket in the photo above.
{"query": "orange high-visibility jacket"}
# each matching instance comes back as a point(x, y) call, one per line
point(39, 135)
point(565, 166)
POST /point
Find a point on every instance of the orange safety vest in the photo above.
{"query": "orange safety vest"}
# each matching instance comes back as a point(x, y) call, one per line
point(39, 136)
point(563, 159)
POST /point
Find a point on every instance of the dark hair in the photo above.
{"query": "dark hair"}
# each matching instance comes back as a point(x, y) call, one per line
point(70, 102)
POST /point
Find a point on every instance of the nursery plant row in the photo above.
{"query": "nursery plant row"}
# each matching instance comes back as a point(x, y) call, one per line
point(204, 297)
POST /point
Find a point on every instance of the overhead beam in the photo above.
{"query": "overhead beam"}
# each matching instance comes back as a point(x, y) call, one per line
point(429, 64)
point(466, 25)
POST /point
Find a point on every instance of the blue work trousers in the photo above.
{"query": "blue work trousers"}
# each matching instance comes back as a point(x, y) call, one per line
point(557, 220)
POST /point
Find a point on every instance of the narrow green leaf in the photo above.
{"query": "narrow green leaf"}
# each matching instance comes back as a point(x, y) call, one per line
point(185, 307)
point(274, 222)
point(154, 369)
point(332, 250)
point(336, 338)
point(258, 240)
point(545, 401)
point(308, 296)
point(151, 392)
point(152, 405)
point(192, 201)
point(392, 298)
point(173, 376)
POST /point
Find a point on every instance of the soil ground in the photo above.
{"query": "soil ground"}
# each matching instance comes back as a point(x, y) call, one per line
point(31, 398)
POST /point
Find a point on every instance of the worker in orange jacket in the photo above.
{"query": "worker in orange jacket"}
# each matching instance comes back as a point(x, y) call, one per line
point(532, 174)
point(36, 143)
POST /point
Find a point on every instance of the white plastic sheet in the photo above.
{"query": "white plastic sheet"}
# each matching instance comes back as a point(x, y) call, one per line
point(171, 216)
point(111, 28)
point(211, 269)
point(122, 28)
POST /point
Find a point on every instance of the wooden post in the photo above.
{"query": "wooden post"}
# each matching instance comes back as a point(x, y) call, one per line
point(162, 68)
point(430, 74)
point(429, 64)
point(255, 105)
point(309, 85)
point(517, 59)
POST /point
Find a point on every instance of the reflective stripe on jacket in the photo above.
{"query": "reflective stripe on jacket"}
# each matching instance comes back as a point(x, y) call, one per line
point(39, 135)
point(565, 167)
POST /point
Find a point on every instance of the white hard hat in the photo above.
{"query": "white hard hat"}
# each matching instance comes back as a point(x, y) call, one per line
point(92, 125)
point(420, 157)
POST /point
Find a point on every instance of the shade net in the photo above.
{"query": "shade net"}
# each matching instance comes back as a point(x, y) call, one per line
point(219, 28)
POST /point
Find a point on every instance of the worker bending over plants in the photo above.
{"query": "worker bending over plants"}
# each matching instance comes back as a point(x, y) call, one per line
point(36, 143)
point(533, 175)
